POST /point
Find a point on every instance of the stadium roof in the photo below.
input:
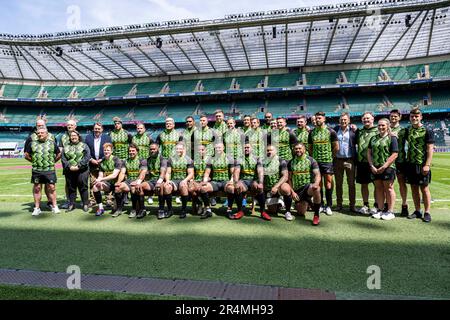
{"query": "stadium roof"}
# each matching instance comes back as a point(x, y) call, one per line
point(369, 31)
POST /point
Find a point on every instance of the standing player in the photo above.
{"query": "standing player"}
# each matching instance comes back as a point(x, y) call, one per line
point(220, 127)
point(168, 139)
point(363, 172)
point(188, 136)
point(268, 117)
point(142, 140)
point(233, 140)
point(381, 155)
point(418, 161)
point(109, 169)
point(304, 179)
point(246, 124)
point(302, 132)
point(396, 130)
point(257, 138)
point(120, 139)
point(205, 136)
point(283, 139)
point(43, 153)
point(323, 146)
point(180, 170)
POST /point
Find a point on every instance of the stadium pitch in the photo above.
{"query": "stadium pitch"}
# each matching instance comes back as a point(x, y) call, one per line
point(414, 257)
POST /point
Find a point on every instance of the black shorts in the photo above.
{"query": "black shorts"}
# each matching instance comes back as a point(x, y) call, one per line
point(152, 184)
point(415, 177)
point(363, 173)
point(248, 183)
point(175, 184)
point(401, 168)
point(218, 185)
point(326, 168)
point(128, 182)
point(387, 175)
point(303, 193)
point(45, 177)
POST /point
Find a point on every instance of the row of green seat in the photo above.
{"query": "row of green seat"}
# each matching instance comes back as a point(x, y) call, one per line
point(439, 69)
point(437, 98)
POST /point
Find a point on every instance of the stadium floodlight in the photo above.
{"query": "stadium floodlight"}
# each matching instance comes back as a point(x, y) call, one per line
point(59, 51)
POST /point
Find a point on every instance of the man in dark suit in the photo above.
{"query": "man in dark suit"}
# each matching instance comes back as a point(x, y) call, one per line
point(95, 141)
point(345, 160)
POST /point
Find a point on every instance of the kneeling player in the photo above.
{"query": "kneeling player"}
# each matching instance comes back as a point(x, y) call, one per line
point(156, 170)
point(304, 178)
point(134, 169)
point(221, 170)
point(180, 170)
point(251, 179)
point(275, 183)
point(109, 170)
point(195, 185)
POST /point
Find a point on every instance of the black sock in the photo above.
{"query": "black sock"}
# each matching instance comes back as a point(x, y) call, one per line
point(287, 202)
point(316, 208)
point(161, 202)
point(98, 197)
point(375, 205)
point(261, 201)
point(141, 203)
point(329, 196)
point(119, 200)
point(239, 199)
point(134, 201)
point(230, 198)
point(169, 202)
point(184, 201)
point(205, 199)
point(366, 204)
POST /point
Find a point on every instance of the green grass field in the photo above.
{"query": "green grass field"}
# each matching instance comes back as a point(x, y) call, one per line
point(414, 257)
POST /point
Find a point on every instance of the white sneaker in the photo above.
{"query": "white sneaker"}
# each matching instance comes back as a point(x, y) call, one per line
point(178, 200)
point(322, 209)
point(388, 216)
point(373, 211)
point(377, 215)
point(364, 210)
point(328, 211)
point(288, 216)
point(36, 212)
point(150, 200)
point(56, 210)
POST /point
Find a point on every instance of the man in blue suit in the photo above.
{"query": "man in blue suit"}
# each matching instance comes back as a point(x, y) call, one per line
point(95, 142)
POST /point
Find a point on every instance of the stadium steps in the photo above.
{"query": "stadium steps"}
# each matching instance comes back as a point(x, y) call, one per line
point(216, 84)
point(88, 92)
point(59, 92)
point(250, 82)
point(182, 86)
point(283, 80)
point(322, 78)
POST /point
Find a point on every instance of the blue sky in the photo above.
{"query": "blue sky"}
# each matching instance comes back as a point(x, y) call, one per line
point(45, 16)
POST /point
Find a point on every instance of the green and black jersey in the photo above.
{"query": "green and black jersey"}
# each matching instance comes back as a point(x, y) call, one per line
point(273, 169)
point(143, 142)
point(187, 137)
point(64, 140)
point(205, 136)
point(234, 143)
point(417, 140)
point(302, 137)
point(200, 165)
point(381, 148)
point(283, 140)
point(303, 171)
point(179, 167)
point(249, 168)
point(107, 166)
point(257, 139)
point(43, 154)
point(168, 139)
point(76, 155)
point(401, 143)
point(220, 129)
point(322, 140)
point(33, 137)
point(363, 137)
point(221, 167)
point(134, 167)
point(120, 140)
point(154, 167)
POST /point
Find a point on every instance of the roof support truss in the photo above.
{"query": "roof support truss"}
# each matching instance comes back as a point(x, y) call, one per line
point(223, 50)
point(38, 62)
point(361, 23)
point(204, 52)
point(331, 41)
point(430, 36)
point(56, 60)
point(309, 41)
point(245, 49)
point(417, 33)
point(28, 62)
point(265, 46)
point(134, 61)
point(168, 58)
point(17, 63)
point(185, 54)
point(378, 37)
point(149, 58)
